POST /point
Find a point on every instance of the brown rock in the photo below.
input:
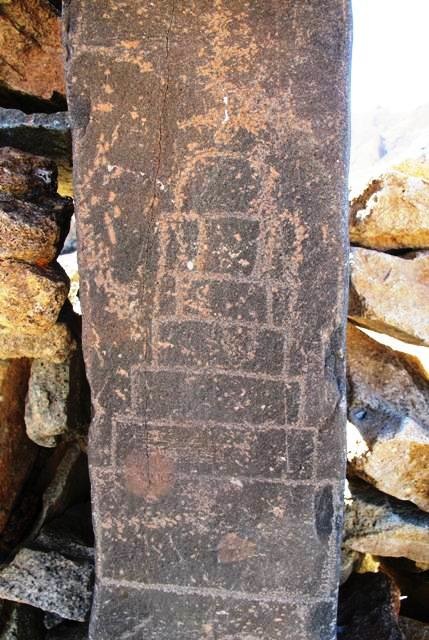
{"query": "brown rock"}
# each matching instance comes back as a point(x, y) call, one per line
point(388, 409)
point(392, 213)
point(54, 345)
point(17, 452)
point(31, 297)
point(31, 50)
point(369, 608)
point(413, 629)
point(380, 525)
point(33, 233)
point(231, 488)
point(390, 294)
point(414, 586)
point(24, 174)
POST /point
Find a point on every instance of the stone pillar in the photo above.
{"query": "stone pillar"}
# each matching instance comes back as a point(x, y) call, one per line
point(211, 148)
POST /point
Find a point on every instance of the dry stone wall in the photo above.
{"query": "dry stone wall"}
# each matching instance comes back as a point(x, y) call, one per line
point(223, 321)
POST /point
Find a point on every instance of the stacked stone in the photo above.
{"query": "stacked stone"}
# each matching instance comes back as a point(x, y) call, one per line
point(43, 394)
point(33, 290)
point(387, 510)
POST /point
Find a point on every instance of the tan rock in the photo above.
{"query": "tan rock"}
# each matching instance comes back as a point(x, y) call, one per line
point(383, 526)
point(17, 452)
point(33, 233)
point(31, 297)
point(413, 629)
point(25, 174)
point(388, 409)
point(31, 49)
point(390, 294)
point(57, 401)
point(54, 345)
point(392, 213)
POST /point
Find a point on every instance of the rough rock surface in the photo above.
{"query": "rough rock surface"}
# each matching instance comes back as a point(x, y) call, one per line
point(368, 608)
point(413, 629)
point(414, 585)
point(17, 452)
point(47, 134)
point(31, 50)
point(69, 484)
point(33, 232)
point(388, 406)
point(31, 297)
point(54, 344)
point(391, 293)
point(392, 213)
point(46, 410)
point(380, 525)
point(20, 622)
point(48, 581)
point(213, 312)
point(26, 174)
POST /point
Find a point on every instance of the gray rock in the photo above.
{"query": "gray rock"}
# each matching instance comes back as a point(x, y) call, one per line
point(380, 525)
point(20, 622)
point(57, 400)
point(49, 581)
point(47, 134)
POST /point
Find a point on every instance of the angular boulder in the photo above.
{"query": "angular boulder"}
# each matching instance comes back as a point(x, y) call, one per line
point(49, 581)
point(369, 608)
point(54, 344)
point(31, 49)
point(26, 174)
point(33, 233)
point(57, 400)
point(388, 410)
point(380, 525)
point(390, 294)
point(17, 452)
point(47, 134)
point(31, 297)
point(392, 213)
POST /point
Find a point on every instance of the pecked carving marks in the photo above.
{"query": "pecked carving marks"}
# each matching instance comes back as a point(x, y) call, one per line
point(207, 185)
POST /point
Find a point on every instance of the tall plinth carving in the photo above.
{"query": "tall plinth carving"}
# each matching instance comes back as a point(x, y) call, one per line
point(210, 152)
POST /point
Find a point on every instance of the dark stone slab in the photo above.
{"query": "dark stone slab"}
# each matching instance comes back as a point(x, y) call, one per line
point(211, 148)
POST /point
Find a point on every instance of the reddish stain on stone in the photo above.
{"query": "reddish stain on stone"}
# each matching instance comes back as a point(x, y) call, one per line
point(149, 474)
point(232, 548)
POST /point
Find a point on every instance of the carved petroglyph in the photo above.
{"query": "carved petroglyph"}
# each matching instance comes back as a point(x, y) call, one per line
point(210, 177)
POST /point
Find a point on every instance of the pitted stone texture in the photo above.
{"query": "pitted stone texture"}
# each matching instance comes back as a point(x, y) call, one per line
point(33, 232)
point(213, 312)
point(25, 174)
point(393, 211)
point(49, 581)
point(380, 525)
point(57, 400)
point(31, 297)
point(54, 344)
